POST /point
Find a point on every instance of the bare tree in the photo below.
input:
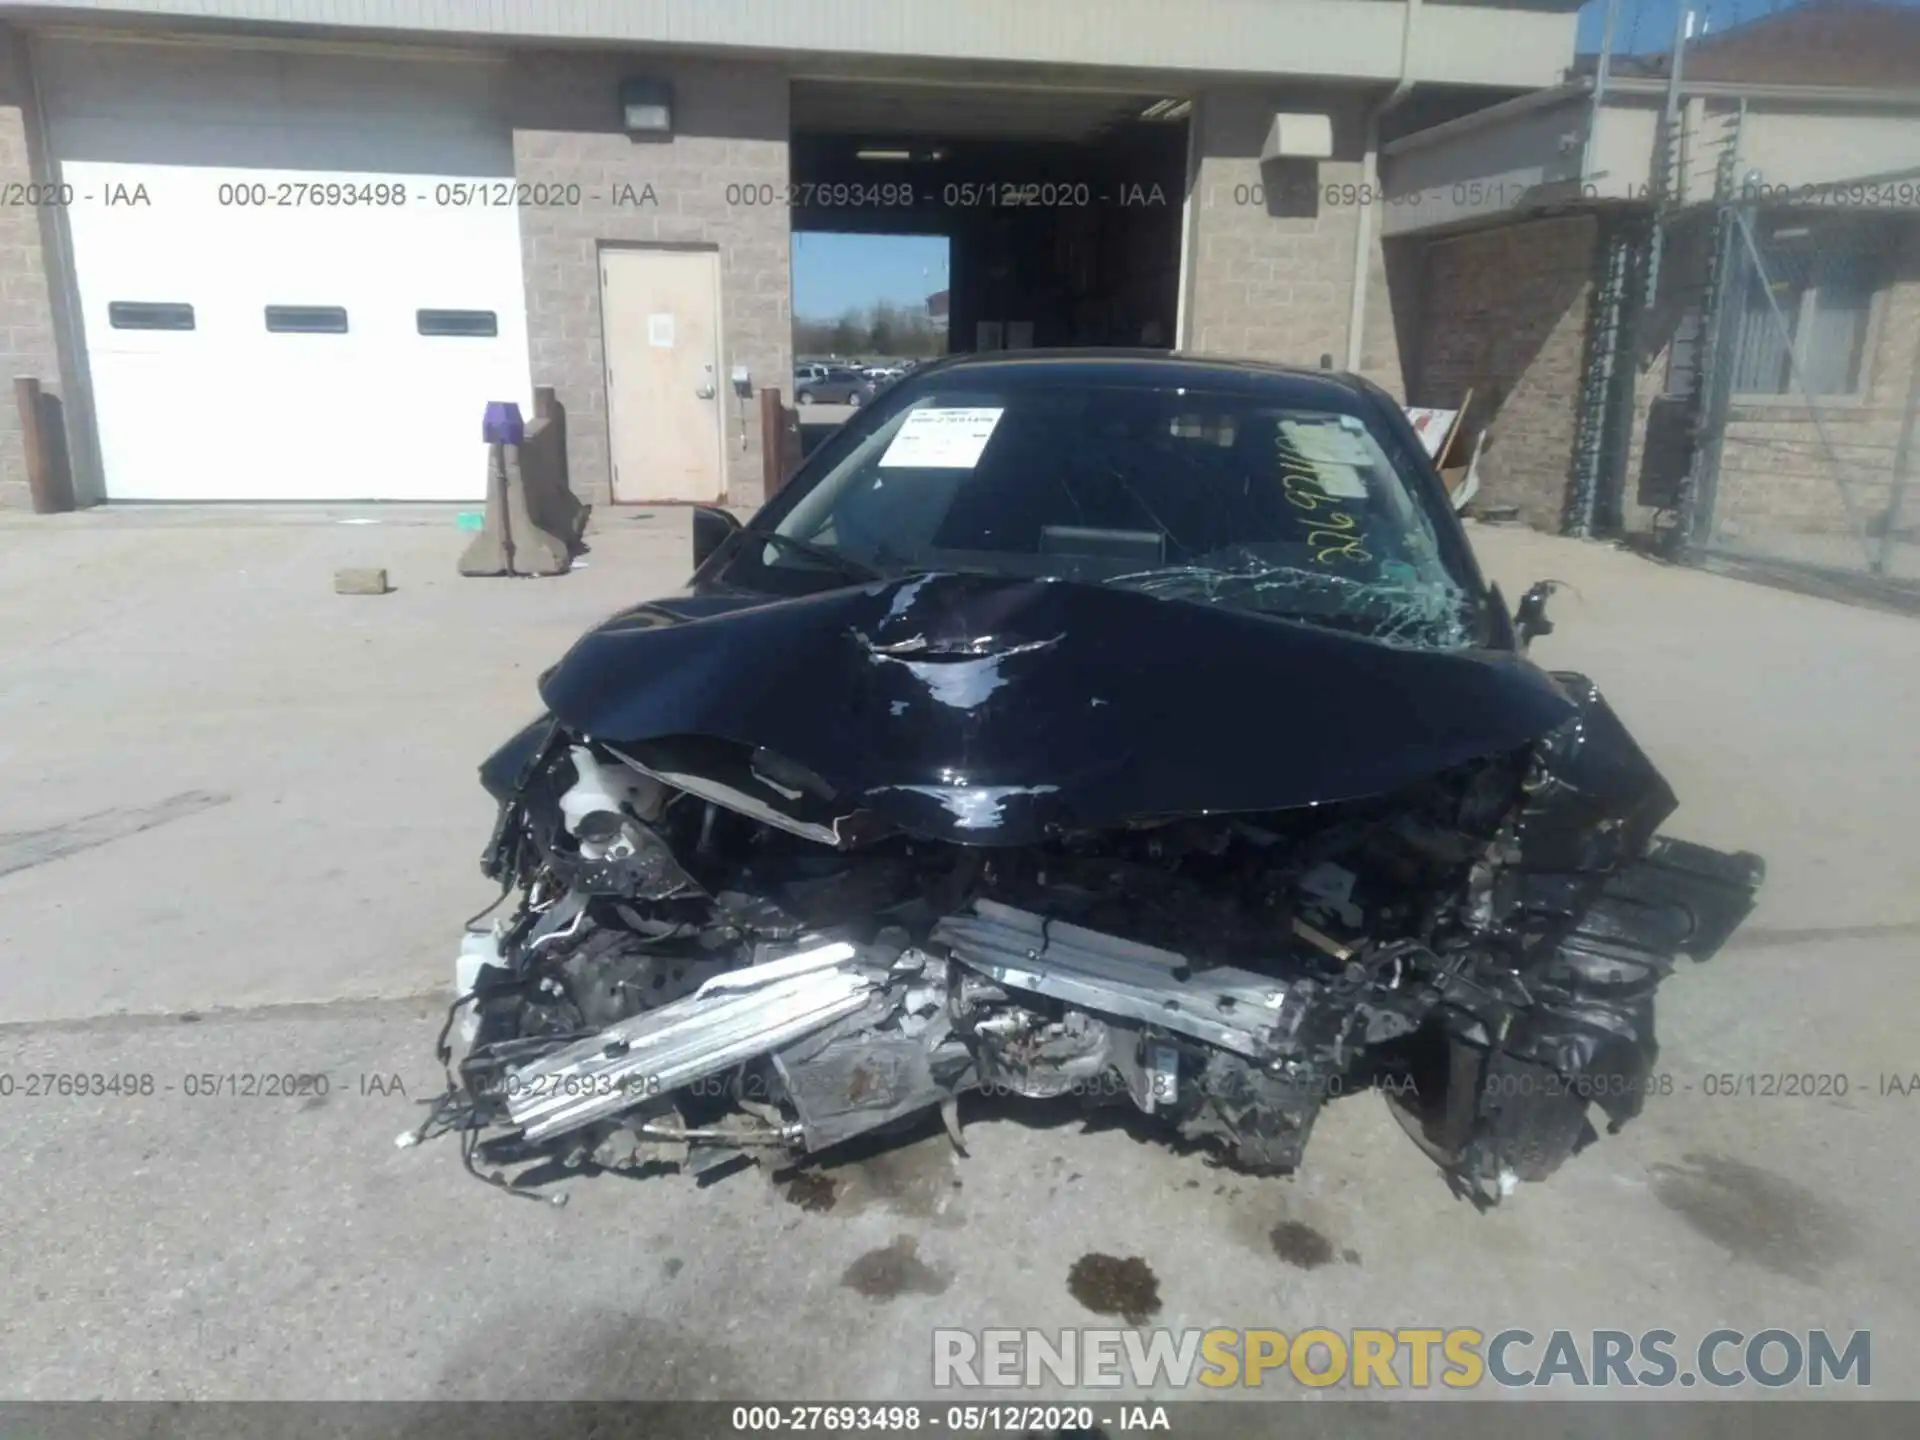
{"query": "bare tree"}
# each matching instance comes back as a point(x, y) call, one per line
point(885, 330)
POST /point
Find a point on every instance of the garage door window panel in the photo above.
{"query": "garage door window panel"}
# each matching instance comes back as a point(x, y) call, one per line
point(458, 323)
point(307, 319)
point(149, 315)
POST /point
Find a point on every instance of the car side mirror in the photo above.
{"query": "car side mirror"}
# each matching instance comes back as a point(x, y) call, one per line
point(712, 528)
point(1530, 615)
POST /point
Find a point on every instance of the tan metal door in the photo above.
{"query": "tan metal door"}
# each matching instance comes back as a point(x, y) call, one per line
point(660, 312)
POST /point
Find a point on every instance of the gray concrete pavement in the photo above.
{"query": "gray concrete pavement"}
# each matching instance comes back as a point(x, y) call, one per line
point(329, 741)
point(241, 809)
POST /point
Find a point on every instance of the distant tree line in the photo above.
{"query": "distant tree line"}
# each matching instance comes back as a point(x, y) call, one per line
point(885, 329)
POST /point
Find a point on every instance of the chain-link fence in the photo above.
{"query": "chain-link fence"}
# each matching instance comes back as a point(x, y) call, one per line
point(1804, 343)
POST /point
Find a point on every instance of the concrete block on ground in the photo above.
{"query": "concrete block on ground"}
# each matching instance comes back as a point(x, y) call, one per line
point(360, 582)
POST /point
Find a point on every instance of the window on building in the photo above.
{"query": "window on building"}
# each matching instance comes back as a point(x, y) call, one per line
point(148, 315)
point(1808, 307)
point(307, 319)
point(457, 322)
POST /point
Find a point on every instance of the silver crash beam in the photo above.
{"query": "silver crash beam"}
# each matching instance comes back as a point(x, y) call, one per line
point(730, 1019)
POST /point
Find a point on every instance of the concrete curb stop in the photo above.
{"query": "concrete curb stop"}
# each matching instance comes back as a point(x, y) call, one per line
point(360, 582)
point(533, 523)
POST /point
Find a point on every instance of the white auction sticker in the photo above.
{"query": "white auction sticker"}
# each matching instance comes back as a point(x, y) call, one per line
point(1334, 454)
point(1326, 444)
point(942, 439)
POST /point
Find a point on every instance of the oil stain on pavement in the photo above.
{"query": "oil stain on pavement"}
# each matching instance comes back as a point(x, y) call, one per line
point(1301, 1245)
point(811, 1190)
point(1111, 1285)
point(916, 1181)
point(1754, 1215)
point(895, 1270)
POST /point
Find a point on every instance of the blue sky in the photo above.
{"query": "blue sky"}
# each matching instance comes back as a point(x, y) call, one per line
point(836, 273)
point(1647, 25)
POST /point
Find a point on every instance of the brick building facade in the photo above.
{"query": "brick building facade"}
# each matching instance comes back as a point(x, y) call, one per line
point(1504, 316)
point(1262, 250)
point(1502, 327)
point(1273, 247)
point(1761, 402)
point(27, 345)
point(732, 130)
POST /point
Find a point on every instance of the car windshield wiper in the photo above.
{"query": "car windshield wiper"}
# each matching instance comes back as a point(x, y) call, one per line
point(857, 571)
point(928, 569)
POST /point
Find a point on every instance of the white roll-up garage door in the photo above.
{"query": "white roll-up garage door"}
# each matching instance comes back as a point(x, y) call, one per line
point(299, 273)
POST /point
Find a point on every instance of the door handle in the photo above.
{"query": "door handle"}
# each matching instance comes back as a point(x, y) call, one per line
point(705, 389)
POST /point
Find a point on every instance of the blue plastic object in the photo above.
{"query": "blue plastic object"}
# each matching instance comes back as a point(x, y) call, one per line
point(503, 425)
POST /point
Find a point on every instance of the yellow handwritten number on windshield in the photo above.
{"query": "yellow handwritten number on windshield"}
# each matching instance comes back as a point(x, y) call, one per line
point(1335, 535)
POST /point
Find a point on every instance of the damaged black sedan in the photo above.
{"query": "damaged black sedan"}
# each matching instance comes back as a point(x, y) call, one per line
point(1123, 726)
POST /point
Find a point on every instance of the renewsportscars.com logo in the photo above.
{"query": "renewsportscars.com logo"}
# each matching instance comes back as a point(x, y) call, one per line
point(1414, 1358)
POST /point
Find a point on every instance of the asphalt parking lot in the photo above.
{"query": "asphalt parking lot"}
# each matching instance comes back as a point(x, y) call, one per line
point(241, 833)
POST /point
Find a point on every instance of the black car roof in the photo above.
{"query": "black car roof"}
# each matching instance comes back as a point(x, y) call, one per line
point(1287, 384)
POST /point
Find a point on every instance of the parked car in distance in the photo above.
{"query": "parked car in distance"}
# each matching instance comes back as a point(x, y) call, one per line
point(838, 386)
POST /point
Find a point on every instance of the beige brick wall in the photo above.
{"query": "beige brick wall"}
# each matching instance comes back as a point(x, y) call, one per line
point(1271, 269)
point(730, 123)
point(1505, 316)
point(26, 314)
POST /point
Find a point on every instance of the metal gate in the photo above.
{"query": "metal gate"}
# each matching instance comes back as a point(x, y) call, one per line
point(1803, 413)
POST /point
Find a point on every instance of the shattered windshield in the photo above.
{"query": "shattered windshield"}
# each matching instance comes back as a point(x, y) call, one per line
point(1218, 498)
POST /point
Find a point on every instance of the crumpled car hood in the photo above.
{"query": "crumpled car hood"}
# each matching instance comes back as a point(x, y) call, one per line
point(986, 710)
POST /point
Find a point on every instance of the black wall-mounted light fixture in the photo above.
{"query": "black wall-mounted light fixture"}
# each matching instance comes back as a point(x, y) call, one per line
point(646, 107)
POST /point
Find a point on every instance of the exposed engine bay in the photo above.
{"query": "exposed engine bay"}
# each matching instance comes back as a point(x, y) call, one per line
point(719, 952)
